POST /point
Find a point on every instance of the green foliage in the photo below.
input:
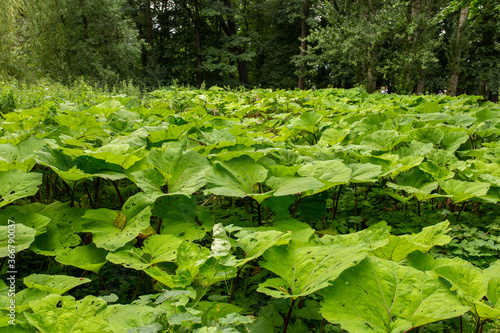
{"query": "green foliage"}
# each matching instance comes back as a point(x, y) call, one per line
point(208, 212)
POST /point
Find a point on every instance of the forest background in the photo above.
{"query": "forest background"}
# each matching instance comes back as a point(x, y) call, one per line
point(416, 46)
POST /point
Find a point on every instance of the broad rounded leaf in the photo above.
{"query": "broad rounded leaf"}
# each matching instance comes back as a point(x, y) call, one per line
point(382, 296)
point(15, 184)
point(21, 235)
point(87, 257)
point(54, 284)
point(307, 269)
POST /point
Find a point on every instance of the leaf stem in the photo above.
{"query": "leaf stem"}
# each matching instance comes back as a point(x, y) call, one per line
point(296, 205)
point(233, 288)
point(478, 325)
point(96, 190)
point(159, 225)
point(461, 209)
point(289, 314)
point(88, 194)
point(138, 286)
point(355, 199)
point(118, 192)
point(259, 223)
point(103, 283)
point(71, 204)
point(322, 327)
point(3, 262)
point(336, 203)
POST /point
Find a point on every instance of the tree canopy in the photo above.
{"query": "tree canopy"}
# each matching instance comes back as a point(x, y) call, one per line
point(415, 46)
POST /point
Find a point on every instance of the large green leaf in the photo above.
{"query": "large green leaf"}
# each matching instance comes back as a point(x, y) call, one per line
point(56, 314)
point(27, 215)
point(400, 246)
point(190, 257)
point(60, 234)
point(294, 185)
point(15, 184)
point(22, 155)
point(383, 296)
point(118, 154)
point(23, 299)
point(428, 135)
point(307, 121)
point(62, 164)
point(462, 191)
point(382, 140)
point(453, 140)
point(87, 257)
point(415, 182)
point(54, 284)
point(20, 238)
point(111, 229)
point(471, 285)
point(365, 172)
point(333, 136)
point(135, 318)
point(372, 238)
point(238, 177)
point(182, 218)
point(331, 173)
point(304, 270)
point(157, 248)
point(184, 172)
point(255, 243)
point(493, 273)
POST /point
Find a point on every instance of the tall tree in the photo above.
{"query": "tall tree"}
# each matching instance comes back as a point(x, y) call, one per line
point(193, 10)
point(354, 35)
point(303, 45)
point(238, 42)
point(456, 50)
point(9, 10)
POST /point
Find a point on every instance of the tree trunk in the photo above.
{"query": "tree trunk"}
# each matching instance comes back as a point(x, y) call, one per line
point(84, 21)
point(457, 53)
point(371, 70)
point(421, 81)
point(371, 73)
point(149, 24)
point(230, 29)
point(199, 63)
point(303, 45)
point(195, 18)
point(412, 43)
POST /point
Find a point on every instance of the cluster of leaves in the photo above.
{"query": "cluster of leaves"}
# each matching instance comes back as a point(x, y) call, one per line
point(169, 186)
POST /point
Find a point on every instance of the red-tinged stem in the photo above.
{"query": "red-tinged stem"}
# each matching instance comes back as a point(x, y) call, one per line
point(3, 262)
point(288, 315)
point(159, 226)
point(460, 212)
point(259, 215)
point(138, 286)
point(233, 288)
point(118, 192)
point(103, 283)
point(355, 200)
point(88, 194)
point(73, 195)
point(96, 190)
point(323, 324)
point(296, 205)
point(336, 203)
